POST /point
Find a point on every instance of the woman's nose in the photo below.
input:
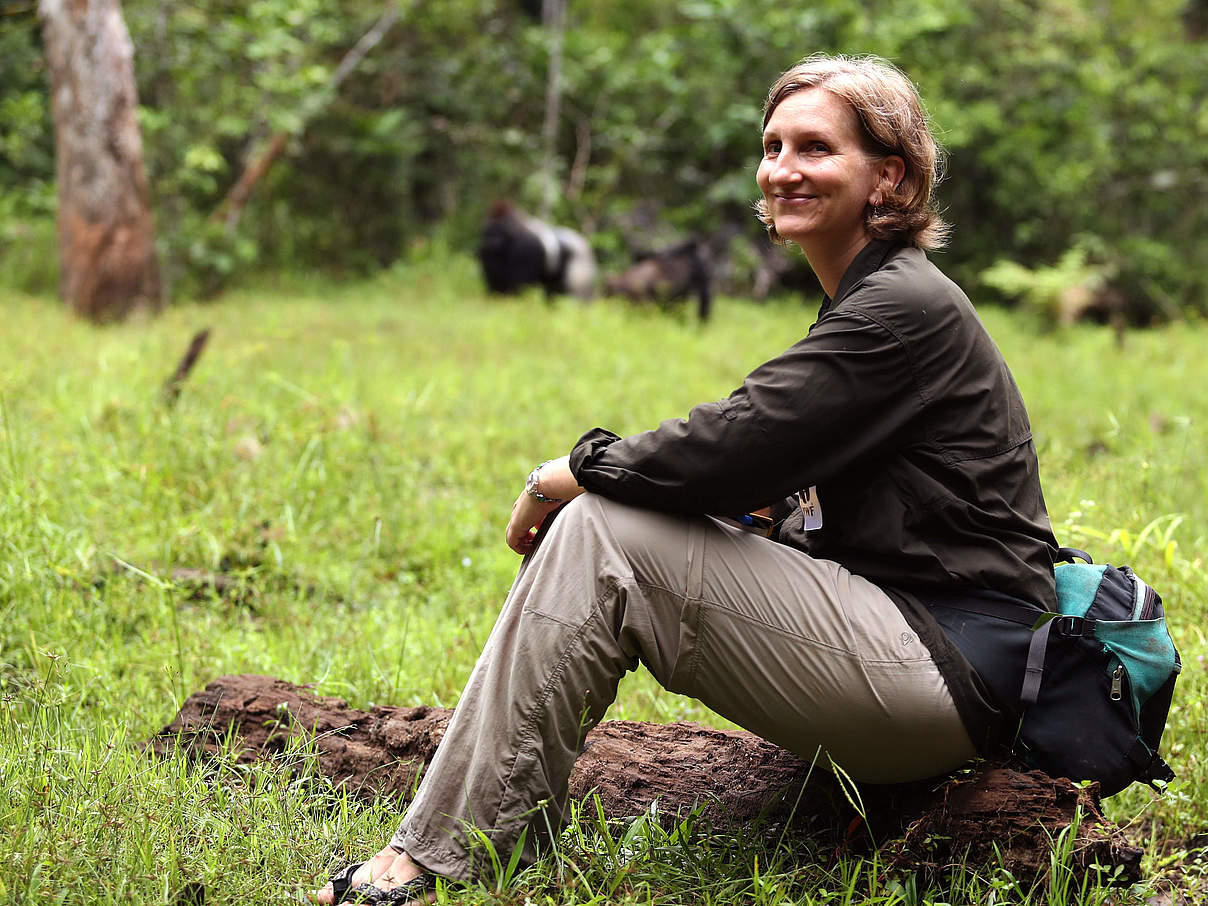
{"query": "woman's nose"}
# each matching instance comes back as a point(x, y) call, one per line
point(785, 172)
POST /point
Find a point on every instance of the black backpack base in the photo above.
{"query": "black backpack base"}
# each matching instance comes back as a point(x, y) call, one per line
point(1090, 683)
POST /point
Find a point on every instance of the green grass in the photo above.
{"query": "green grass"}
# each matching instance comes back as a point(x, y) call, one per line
point(350, 453)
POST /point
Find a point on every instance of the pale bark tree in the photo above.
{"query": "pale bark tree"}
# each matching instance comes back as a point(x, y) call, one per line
point(107, 259)
point(553, 17)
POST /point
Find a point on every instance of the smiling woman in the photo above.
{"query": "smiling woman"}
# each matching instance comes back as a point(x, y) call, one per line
point(874, 120)
point(818, 179)
point(893, 453)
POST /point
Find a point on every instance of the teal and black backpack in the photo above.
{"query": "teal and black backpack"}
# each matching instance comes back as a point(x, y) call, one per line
point(1099, 679)
point(1098, 676)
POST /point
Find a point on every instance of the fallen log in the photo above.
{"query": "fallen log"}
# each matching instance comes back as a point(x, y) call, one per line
point(974, 817)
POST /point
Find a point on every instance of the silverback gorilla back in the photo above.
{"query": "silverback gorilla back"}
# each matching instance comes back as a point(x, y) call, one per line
point(517, 250)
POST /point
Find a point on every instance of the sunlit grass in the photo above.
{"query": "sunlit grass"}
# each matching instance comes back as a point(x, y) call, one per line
point(347, 456)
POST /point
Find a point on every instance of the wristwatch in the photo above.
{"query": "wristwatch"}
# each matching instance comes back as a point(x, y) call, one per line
point(533, 482)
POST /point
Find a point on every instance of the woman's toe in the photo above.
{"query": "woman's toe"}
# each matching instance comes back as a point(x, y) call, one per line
point(365, 882)
point(348, 877)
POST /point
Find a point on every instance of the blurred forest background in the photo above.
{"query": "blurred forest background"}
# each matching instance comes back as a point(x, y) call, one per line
point(1077, 133)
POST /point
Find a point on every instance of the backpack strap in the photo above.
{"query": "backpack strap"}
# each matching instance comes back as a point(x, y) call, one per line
point(1067, 555)
point(1034, 671)
point(1065, 625)
point(1042, 623)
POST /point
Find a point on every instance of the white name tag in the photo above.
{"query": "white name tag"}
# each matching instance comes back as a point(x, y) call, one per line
point(811, 509)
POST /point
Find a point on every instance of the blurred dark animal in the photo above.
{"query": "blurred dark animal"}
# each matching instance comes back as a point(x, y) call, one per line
point(517, 250)
point(777, 270)
point(668, 276)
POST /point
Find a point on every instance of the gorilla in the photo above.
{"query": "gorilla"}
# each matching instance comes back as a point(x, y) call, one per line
point(517, 250)
point(668, 276)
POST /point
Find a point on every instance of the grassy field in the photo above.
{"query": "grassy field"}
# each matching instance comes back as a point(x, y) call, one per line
point(349, 454)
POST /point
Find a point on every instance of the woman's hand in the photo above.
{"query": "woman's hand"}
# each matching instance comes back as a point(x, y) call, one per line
point(555, 481)
point(527, 515)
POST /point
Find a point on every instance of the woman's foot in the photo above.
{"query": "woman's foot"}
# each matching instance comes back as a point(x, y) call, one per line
point(388, 870)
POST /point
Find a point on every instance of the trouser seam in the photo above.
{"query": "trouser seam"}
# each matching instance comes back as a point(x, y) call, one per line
point(807, 640)
point(699, 631)
point(540, 705)
point(746, 617)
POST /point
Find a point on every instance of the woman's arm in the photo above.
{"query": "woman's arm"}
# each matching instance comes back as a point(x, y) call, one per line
point(553, 481)
point(841, 394)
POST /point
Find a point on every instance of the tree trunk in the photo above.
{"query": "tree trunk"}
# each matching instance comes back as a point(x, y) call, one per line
point(106, 234)
point(553, 17)
point(971, 818)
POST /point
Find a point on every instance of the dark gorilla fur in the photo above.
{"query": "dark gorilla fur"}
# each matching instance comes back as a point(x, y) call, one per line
point(668, 276)
point(516, 250)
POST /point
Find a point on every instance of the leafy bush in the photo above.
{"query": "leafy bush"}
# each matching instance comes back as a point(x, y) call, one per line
point(1058, 294)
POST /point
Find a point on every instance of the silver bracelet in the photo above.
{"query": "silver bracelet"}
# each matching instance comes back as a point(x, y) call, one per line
point(532, 485)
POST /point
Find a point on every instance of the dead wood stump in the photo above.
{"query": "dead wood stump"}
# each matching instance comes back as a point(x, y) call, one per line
point(733, 777)
point(176, 380)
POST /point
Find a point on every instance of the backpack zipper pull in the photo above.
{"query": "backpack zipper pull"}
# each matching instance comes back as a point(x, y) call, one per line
point(1117, 682)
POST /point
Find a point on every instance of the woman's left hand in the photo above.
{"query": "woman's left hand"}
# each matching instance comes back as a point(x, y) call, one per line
point(527, 515)
point(556, 482)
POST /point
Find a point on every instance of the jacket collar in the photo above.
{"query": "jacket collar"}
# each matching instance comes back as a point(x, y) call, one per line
point(868, 260)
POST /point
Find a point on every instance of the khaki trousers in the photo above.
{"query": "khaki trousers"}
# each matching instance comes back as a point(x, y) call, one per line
point(795, 649)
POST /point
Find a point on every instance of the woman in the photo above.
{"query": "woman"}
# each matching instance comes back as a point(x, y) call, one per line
point(891, 447)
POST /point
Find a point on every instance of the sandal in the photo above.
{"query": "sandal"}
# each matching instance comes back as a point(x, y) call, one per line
point(342, 880)
point(417, 887)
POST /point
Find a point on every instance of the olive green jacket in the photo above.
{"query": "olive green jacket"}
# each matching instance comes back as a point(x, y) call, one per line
point(899, 412)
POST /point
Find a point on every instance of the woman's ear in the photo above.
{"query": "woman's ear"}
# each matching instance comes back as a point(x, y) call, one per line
point(893, 171)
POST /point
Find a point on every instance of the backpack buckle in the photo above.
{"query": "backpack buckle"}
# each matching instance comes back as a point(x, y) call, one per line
point(1070, 626)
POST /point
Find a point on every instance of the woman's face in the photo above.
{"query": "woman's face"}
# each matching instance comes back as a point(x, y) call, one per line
point(815, 174)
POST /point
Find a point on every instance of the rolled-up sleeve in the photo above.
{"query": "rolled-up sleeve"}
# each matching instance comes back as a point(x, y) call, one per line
point(841, 394)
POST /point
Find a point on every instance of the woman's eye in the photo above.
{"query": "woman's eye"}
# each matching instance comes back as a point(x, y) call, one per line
point(817, 148)
point(771, 148)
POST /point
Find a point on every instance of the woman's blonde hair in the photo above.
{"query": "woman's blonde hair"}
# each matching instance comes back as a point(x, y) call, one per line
point(893, 121)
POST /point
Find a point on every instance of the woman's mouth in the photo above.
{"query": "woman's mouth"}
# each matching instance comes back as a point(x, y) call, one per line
point(794, 199)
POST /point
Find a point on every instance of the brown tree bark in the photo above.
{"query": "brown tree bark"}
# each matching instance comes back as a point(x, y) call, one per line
point(107, 257)
point(732, 776)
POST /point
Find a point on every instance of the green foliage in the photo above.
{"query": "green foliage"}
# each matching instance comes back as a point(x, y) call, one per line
point(209, 254)
point(29, 254)
point(1067, 121)
point(348, 457)
point(1057, 294)
point(27, 242)
point(26, 158)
